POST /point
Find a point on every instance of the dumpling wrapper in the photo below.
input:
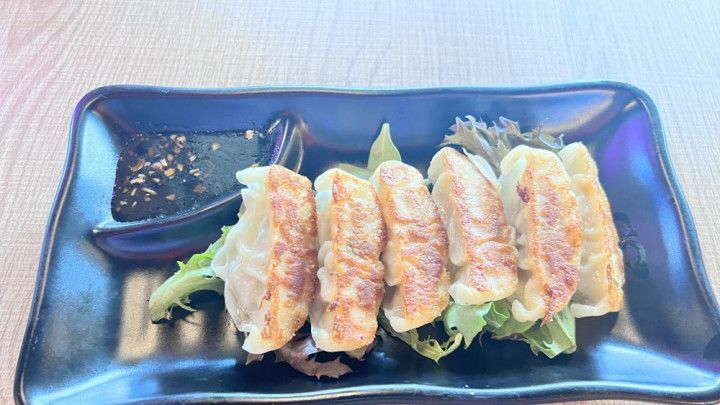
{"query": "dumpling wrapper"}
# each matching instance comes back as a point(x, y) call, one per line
point(483, 258)
point(602, 273)
point(417, 249)
point(539, 202)
point(351, 234)
point(269, 259)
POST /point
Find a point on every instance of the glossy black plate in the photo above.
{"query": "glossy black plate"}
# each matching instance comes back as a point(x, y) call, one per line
point(89, 338)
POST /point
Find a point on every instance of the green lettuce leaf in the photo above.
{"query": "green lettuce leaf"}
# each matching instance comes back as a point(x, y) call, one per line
point(506, 326)
point(300, 352)
point(494, 142)
point(551, 339)
point(466, 320)
point(499, 314)
point(192, 276)
point(471, 321)
point(429, 347)
point(382, 150)
point(554, 337)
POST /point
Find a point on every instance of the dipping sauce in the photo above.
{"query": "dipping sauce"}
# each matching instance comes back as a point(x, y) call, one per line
point(161, 174)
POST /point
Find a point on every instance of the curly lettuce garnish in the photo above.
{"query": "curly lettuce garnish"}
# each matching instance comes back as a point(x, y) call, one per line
point(493, 143)
point(428, 347)
point(382, 150)
point(300, 355)
point(193, 276)
point(471, 321)
point(552, 338)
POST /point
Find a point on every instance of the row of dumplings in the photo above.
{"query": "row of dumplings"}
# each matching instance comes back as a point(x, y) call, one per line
point(541, 235)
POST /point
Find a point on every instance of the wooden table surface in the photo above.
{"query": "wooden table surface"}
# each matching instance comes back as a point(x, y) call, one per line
point(53, 52)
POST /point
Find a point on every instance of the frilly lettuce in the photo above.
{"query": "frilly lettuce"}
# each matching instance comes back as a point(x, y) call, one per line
point(554, 337)
point(510, 327)
point(471, 321)
point(466, 321)
point(300, 355)
point(428, 347)
point(494, 142)
point(192, 276)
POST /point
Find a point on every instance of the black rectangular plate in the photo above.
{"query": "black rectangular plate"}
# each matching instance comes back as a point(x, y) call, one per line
point(89, 338)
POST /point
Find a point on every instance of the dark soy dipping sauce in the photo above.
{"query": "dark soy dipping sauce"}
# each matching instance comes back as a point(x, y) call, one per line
point(165, 173)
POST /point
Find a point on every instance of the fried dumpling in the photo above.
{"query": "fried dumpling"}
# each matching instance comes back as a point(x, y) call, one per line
point(269, 259)
point(351, 233)
point(417, 249)
point(539, 202)
point(483, 258)
point(602, 273)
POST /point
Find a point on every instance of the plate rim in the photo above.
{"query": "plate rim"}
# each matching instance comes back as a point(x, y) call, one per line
point(561, 391)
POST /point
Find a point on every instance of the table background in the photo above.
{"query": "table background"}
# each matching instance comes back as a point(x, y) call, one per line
point(53, 52)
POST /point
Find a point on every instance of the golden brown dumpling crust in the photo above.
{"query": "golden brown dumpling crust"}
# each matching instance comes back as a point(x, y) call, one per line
point(421, 246)
point(554, 229)
point(359, 237)
point(293, 262)
point(479, 215)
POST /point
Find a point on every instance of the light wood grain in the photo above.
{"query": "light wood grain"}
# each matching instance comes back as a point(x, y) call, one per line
point(52, 52)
